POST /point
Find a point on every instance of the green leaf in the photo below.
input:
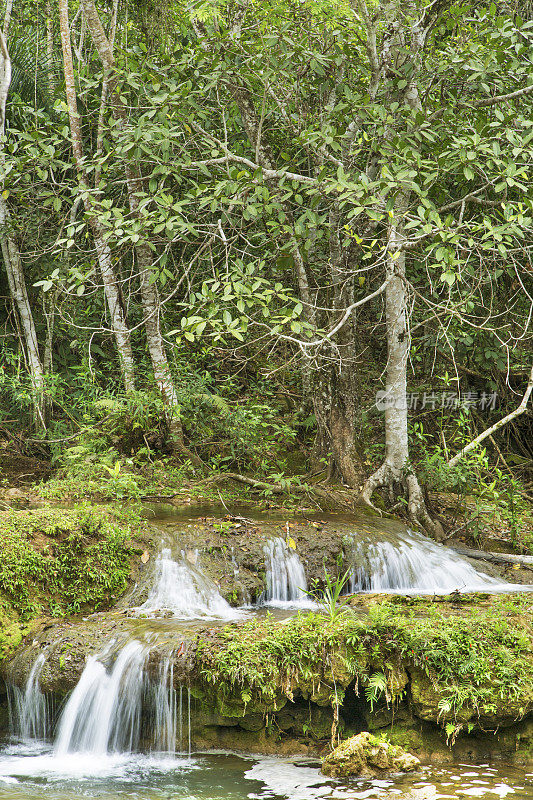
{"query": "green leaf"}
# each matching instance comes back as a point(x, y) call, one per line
point(448, 277)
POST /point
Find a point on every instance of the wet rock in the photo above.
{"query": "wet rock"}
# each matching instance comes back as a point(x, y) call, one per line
point(306, 720)
point(497, 712)
point(14, 494)
point(364, 754)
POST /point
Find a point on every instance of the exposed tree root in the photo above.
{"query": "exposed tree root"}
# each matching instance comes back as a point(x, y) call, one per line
point(315, 493)
point(388, 476)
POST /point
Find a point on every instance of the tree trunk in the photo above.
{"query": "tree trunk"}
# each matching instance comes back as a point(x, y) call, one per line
point(50, 47)
point(329, 377)
point(396, 468)
point(149, 294)
point(404, 36)
point(497, 425)
point(13, 264)
point(109, 278)
point(17, 288)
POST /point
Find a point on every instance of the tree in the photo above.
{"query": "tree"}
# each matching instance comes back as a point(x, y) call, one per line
point(12, 260)
point(135, 187)
point(109, 278)
point(378, 163)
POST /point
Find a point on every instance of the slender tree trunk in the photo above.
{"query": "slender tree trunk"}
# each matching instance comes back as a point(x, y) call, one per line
point(396, 468)
point(330, 378)
point(404, 38)
point(109, 278)
point(50, 47)
point(149, 294)
point(12, 261)
point(497, 425)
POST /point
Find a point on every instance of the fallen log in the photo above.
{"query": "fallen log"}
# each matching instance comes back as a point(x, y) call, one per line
point(494, 558)
point(311, 491)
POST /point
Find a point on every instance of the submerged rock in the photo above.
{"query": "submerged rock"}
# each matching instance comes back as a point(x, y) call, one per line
point(365, 754)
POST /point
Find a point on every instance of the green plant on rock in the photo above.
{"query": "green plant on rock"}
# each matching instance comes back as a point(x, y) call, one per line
point(331, 599)
point(474, 664)
point(62, 560)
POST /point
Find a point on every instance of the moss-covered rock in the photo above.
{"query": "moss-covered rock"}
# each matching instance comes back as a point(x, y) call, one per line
point(365, 754)
point(60, 561)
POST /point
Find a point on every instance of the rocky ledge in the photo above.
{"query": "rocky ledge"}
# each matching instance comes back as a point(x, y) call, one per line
point(433, 674)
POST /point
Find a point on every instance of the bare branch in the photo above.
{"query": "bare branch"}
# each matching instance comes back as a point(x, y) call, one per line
point(501, 98)
point(269, 174)
point(497, 425)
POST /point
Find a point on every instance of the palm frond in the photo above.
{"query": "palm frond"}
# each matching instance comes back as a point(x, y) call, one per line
point(34, 72)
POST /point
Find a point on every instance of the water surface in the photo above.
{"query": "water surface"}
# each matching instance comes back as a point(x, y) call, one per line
point(33, 771)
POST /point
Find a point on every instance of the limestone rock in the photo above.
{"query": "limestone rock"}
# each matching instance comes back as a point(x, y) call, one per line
point(365, 754)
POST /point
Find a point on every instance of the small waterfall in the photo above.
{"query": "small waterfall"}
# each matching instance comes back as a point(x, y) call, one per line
point(119, 709)
point(410, 562)
point(104, 711)
point(181, 590)
point(285, 575)
point(30, 710)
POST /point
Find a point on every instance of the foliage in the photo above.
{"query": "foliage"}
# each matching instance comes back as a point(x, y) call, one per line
point(330, 598)
point(61, 561)
point(377, 686)
point(231, 239)
point(477, 661)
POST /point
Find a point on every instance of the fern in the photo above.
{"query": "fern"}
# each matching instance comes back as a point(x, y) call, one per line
point(215, 401)
point(377, 686)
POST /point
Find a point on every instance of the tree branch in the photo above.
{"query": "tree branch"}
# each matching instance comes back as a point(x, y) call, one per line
point(496, 427)
point(501, 98)
point(268, 174)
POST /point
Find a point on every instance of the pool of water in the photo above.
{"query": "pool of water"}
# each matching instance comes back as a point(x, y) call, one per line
point(33, 772)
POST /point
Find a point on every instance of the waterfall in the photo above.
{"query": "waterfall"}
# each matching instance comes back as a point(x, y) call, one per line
point(285, 575)
point(410, 562)
point(181, 590)
point(118, 708)
point(30, 710)
point(103, 712)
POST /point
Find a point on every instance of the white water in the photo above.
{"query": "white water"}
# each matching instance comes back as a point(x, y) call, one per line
point(410, 562)
point(29, 708)
point(116, 707)
point(286, 584)
point(103, 713)
point(182, 591)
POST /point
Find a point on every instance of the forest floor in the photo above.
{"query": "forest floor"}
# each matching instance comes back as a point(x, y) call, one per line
point(468, 519)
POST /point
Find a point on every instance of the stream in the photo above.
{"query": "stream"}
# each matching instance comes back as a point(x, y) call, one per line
point(31, 772)
point(125, 729)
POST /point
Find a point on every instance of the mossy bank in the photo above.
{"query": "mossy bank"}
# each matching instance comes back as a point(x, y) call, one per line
point(57, 562)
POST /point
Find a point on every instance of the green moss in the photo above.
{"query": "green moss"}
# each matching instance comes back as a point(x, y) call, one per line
point(476, 660)
point(10, 635)
point(366, 754)
point(60, 561)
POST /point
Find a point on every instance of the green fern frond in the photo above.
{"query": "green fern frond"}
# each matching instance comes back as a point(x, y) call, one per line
point(215, 401)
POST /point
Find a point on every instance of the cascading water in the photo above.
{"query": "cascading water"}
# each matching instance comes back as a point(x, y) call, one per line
point(166, 709)
point(30, 711)
point(119, 708)
point(116, 707)
point(286, 583)
point(103, 712)
point(182, 591)
point(408, 562)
